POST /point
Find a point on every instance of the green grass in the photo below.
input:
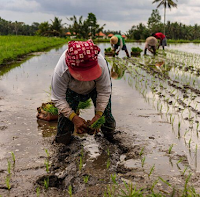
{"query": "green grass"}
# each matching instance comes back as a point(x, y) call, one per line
point(13, 47)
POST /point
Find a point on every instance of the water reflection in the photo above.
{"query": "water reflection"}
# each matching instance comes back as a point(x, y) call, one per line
point(117, 70)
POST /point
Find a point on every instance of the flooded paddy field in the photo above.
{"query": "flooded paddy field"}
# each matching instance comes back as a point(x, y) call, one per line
point(156, 104)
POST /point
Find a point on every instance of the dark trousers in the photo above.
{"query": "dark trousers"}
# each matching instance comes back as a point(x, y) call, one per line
point(65, 126)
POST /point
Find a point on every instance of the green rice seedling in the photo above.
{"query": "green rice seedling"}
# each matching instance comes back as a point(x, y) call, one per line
point(196, 148)
point(185, 192)
point(70, 190)
point(108, 152)
point(151, 171)
point(197, 125)
point(97, 124)
point(179, 125)
point(173, 121)
point(186, 133)
point(46, 183)
point(85, 179)
point(170, 149)
point(114, 177)
point(50, 108)
point(13, 157)
point(46, 163)
point(143, 161)
point(189, 143)
point(179, 161)
point(141, 152)
point(38, 191)
point(9, 167)
point(108, 163)
point(164, 181)
point(81, 160)
point(154, 184)
point(8, 182)
point(170, 118)
point(184, 170)
point(84, 105)
point(161, 108)
point(130, 191)
point(47, 153)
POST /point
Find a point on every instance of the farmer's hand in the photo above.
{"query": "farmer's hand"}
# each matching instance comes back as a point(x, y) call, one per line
point(80, 124)
point(94, 119)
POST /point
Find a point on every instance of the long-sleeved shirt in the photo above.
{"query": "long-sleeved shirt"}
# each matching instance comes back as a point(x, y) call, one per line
point(120, 42)
point(159, 35)
point(62, 80)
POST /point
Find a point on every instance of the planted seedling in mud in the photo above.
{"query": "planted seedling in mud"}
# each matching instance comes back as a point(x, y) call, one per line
point(47, 161)
point(151, 171)
point(164, 181)
point(70, 190)
point(197, 126)
point(185, 192)
point(189, 143)
point(143, 161)
point(9, 167)
point(85, 179)
point(170, 149)
point(81, 160)
point(97, 124)
point(185, 133)
point(141, 152)
point(196, 148)
point(46, 183)
point(130, 191)
point(108, 163)
point(13, 157)
point(38, 191)
point(8, 182)
point(184, 170)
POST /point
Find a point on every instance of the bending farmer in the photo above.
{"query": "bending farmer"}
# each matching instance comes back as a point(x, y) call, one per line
point(150, 44)
point(80, 74)
point(117, 41)
point(162, 38)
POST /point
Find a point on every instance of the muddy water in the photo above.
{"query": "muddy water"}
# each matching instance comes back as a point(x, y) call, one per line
point(26, 86)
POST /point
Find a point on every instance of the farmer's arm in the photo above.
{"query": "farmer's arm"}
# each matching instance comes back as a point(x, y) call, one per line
point(59, 85)
point(103, 86)
point(121, 45)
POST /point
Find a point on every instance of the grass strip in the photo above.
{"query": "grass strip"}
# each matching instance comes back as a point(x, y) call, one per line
point(13, 47)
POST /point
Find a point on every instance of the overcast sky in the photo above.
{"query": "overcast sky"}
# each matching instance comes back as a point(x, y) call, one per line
point(116, 14)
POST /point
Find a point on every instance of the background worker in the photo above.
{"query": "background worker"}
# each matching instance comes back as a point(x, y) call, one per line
point(150, 44)
point(117, 41)
point(80, 74)
point(162, 38)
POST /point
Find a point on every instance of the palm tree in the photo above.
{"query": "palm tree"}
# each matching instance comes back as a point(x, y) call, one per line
point(165, 3)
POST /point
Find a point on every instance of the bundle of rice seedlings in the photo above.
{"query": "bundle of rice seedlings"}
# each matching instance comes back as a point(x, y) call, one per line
point(97, 124)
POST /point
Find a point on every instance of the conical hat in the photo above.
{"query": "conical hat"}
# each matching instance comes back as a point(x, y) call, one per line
point(152, 41)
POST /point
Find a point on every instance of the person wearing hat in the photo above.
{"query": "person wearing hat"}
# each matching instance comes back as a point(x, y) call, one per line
point(150, 44)
point(162, 38)
point(117, 41)
point(80, 74)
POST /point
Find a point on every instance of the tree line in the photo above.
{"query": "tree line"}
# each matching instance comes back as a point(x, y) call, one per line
point(89, 28)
